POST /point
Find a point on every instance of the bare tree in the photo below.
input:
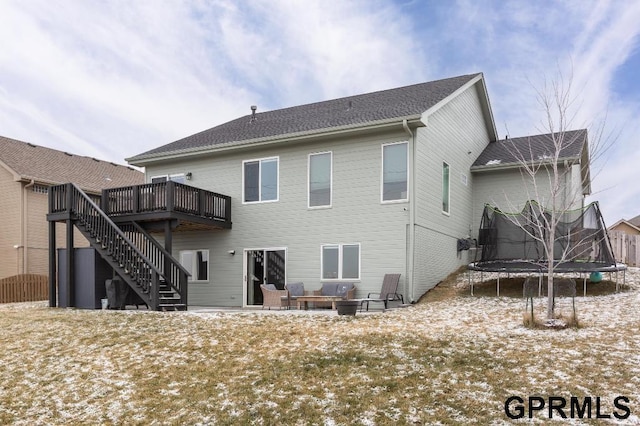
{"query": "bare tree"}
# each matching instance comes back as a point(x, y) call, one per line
point(545, 174)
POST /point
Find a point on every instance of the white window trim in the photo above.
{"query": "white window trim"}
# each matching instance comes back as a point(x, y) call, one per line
point(444, 212)
point(168, 177)
point(340, 246)
point(403, 200)
point(259, 160)
point(328, 206)
point(194, 264)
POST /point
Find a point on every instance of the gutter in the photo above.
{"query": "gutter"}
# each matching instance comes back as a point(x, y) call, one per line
point(516, 165)
point(412, 209)
point(291, 137)
point(23, 226)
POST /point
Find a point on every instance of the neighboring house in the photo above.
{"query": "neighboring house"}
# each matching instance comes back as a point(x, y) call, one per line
point(346, 190)
point(26, 173)
point(625, 239)
point(629, 227)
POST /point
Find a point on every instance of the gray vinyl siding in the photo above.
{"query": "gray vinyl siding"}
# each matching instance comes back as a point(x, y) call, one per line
point(509, 190)
point(455, 134)
point(356, 216)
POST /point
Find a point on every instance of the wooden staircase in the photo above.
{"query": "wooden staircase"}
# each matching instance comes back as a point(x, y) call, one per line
point(151, 271)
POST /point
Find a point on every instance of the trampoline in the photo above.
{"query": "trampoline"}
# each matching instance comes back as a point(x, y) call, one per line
point(511, 243)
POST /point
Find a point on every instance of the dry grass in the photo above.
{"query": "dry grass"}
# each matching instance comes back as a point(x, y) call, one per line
point(451, 359)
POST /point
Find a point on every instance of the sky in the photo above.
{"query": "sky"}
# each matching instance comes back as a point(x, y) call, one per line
point(111, 79)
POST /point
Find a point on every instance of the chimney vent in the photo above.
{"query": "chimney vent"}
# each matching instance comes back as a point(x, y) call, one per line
point(253, 113)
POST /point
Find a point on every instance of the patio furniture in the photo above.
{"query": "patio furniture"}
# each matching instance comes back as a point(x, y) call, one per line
point(388, 293)
point(341, 289)
point(272, 297)
point(303, 301)
point(295, 290)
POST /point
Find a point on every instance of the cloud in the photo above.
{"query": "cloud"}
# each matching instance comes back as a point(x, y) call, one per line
point(310, 51)
point(115, 78)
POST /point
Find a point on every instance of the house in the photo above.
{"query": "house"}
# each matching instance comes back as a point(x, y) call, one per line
point(27, 171)
point(347, 189)
point(499, 179)
point(629, 227)
point(625, 240)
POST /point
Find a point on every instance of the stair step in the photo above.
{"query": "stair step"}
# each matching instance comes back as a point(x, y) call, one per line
point(172, 307)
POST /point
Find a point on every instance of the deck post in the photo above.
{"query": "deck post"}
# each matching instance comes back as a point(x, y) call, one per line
point(104, 201)
point(52, 261)
point(170, 188)
point(168, 246)
point(227, 209)
point(70, 266)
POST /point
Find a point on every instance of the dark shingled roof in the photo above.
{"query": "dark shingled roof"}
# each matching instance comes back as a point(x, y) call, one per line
point(635, 221)
point(356, 110)
point(53, 167)
point(531, 148)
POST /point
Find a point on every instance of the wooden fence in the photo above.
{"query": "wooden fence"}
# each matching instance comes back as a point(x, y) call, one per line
point(626, 248)
point(24, 288)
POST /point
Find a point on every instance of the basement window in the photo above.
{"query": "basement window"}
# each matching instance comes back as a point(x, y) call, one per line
point(196, 262)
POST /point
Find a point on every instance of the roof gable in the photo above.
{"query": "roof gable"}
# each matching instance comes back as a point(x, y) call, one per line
point(49, 166)
point(622, 223)
point(510, 152)
point(359, 110)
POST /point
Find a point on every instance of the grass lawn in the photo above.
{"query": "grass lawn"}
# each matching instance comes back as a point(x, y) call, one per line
point(450, 359)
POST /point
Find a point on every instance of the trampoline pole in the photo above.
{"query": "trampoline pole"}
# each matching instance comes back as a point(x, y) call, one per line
point(539, 285)
point(498, 287)
point(584, 286)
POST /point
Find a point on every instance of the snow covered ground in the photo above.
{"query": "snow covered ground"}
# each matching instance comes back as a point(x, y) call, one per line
point(451, 360)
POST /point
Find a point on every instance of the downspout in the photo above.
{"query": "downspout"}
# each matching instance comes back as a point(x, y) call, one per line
point(23, 231)
point(412, 210)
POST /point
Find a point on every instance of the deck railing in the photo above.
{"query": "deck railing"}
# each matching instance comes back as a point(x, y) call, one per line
point(166, 196)
point(176, 275)
point(110, 238)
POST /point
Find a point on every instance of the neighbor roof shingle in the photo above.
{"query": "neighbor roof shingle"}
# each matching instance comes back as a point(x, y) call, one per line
point(50, 166)
point(408, 101)
point(530, 148)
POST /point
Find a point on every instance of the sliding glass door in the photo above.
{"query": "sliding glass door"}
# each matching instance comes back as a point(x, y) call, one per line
point(263, 266)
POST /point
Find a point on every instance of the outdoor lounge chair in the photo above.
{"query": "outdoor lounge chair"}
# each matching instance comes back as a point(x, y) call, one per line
point(388, 293)
point(273, 298)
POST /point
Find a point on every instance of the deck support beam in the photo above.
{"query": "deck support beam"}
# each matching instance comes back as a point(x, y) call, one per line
point(52, 265)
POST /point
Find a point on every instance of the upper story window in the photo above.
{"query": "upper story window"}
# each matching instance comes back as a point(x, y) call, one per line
point(178, 177)
point(395, 172)
point(446, 188)
point(260, 180)
point(320, 179)
point(196, 262)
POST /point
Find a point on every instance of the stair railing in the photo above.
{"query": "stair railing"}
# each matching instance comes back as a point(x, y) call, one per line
point(175, 274)
point(108, 235)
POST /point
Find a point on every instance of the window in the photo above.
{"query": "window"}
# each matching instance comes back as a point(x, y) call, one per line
point(260, 180)
point(178, 177)
point(197, 263)
point(446, 190)
point(340, 261)
point(320, 175)
point(394, 172)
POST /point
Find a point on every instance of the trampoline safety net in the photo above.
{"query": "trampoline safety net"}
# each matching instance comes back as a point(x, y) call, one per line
point(513, 240)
